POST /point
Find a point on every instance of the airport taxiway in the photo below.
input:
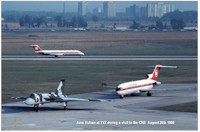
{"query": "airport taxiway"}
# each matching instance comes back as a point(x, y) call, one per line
point(97, 58)
point(130, 113)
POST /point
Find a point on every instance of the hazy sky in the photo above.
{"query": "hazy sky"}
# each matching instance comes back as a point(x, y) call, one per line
point(72, 5)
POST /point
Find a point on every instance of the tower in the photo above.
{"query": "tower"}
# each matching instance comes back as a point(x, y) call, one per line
point(82, 8)
point(109, 9)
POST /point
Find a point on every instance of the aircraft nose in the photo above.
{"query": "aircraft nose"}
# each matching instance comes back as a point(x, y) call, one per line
point(81, 53)
point(119, 92)
point(29, 101)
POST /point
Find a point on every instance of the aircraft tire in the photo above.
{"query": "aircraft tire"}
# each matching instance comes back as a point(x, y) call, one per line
point(65, 105)
point(121, 96)
point(37, 109)
point(148, 94)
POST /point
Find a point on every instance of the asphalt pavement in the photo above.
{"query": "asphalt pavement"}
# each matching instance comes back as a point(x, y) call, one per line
point(130, 113)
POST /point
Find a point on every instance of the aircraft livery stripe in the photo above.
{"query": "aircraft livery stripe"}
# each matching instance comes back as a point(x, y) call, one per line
point(65, 52)
point(59, 52)
point(138, 86)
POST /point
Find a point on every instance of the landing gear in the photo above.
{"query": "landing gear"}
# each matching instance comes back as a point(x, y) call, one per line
point(36, 108)
point(56, 56)
point(65, 105)
point(148, 94)
point(132, 94)
point(121, 96)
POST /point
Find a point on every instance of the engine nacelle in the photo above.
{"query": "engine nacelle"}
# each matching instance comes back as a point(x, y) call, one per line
point(149, 75)
point(137, 92)
point(156, 83)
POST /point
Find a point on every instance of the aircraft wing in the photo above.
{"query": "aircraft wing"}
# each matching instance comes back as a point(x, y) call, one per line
point(107, 86)
point(21, 98)
point(66, 99)
point(167, 89)
point(153, 90)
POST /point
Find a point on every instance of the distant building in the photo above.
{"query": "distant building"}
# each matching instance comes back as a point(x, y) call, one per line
point(82, 8)
point(97, 11)
point(136, 11)
point(144, 12)
point(159, 9)
point(109, 9)
point(133, 11)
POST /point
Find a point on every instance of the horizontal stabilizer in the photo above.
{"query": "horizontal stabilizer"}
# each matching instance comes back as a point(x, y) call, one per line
point(153, 90)
point(67, 99)
point(163, 66)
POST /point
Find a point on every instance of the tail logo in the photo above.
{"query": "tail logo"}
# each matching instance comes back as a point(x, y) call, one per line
point(156, 73)
point(37, 48)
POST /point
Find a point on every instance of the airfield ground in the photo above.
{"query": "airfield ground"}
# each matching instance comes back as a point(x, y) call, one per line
point(103, 43)
point(86, 76)
point(24, 77)
point(131, 113)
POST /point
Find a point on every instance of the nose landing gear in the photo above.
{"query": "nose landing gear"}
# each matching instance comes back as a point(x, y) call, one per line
point(121, 96)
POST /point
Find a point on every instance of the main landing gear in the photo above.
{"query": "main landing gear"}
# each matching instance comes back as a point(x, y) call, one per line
point(65, 105)
point(36, 108)
point(148, 93)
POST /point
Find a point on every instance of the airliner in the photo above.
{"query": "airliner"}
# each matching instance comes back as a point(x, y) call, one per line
point(56, 53)
point(140, 86)
point(36, 99)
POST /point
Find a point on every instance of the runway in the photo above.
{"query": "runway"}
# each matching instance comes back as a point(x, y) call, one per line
point(97, 58)
point(130, 113)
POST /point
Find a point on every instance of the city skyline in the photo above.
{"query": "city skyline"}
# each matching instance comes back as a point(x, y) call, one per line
point(72, 6)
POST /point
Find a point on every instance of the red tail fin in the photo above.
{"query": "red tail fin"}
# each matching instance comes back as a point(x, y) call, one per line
point(36, 47)
point(156, 72)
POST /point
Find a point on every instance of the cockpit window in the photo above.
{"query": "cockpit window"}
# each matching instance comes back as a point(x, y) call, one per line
point(32, 96)
point(118, 88)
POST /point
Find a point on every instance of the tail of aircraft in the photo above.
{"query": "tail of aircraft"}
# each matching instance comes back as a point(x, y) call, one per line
point(156, 71)
point(36, 47)
point(59, 90)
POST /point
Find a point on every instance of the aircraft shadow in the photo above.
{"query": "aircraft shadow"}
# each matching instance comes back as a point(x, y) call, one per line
point(113, 96)
point(107, 96)
point(18, 109)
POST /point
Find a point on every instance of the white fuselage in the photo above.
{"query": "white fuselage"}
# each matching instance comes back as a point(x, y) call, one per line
point(41, 98)
point(135, 86)
point(60, 52)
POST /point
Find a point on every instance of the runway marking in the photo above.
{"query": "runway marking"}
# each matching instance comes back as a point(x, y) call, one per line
point(98, 58)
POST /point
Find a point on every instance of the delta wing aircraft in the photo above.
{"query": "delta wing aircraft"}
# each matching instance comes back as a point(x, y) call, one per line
point(140, 86)
point(36, 99)
point(56, 53)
